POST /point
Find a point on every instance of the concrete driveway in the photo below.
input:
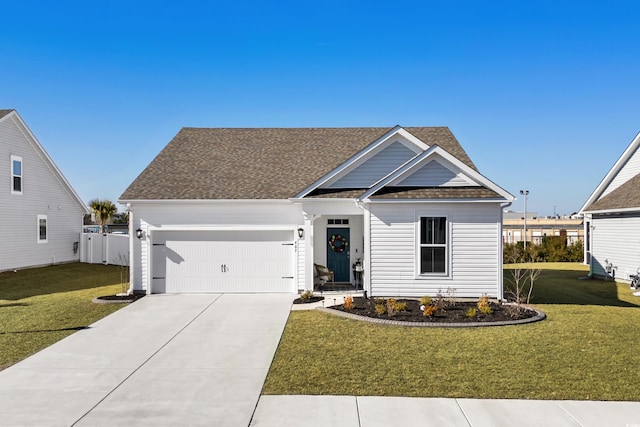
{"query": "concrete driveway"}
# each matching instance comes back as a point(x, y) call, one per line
point(165, 360)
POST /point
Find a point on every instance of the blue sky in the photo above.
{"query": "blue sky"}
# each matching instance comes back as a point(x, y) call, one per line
point(541, 94)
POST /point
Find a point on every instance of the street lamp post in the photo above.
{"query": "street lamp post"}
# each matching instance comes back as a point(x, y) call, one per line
point(525, 193)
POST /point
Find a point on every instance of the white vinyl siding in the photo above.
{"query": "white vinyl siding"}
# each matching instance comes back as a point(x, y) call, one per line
point(44, 193)
point(376, 168)
point(16, 175)
point(43, 231)
point(433, 174)
point(474, 242)
point(615, 239)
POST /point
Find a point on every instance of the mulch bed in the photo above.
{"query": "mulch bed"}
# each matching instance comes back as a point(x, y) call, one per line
point(115, 299)
point(452, 314)
point(308, 300)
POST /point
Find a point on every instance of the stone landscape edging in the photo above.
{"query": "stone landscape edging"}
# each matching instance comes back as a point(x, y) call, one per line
point(538, 317)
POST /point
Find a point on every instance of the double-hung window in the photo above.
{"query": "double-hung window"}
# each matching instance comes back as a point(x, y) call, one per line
point(433, 245)
point(16, 175)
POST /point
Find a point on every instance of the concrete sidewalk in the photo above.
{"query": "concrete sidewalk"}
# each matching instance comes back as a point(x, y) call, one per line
point(351, 411)
point(165, 360)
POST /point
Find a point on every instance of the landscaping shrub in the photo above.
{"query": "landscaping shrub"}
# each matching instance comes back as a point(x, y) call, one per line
point(306, 295)
point(348, 303)
point(552, 249)
point(429, 310)
point(484, 305)
point(401, 306)
point(426, 300)
point(471, 312)
point(391, 307)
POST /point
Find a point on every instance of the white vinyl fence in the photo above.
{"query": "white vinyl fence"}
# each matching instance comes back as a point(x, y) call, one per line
point(97, 248)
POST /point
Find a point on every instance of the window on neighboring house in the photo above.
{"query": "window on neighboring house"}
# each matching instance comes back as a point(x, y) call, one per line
point(16, 175)
point(43, 232)
point(433, 244)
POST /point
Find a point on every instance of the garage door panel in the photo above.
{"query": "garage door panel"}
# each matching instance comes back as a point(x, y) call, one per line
point(225, 266)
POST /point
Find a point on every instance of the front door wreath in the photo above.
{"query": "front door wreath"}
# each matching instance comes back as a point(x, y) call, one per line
point(338, 243)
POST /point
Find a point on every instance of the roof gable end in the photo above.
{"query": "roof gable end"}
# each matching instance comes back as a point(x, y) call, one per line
point(415, 173)
point(434, 173)
point(374, 162)
point(625, 169)
point(6, 115)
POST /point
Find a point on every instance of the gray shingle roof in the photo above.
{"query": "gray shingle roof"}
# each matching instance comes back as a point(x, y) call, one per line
point(4, 113)
point(436, 193)
point(624, 197)
point(276, 163)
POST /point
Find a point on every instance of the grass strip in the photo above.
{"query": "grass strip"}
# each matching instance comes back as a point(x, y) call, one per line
point(43, 305)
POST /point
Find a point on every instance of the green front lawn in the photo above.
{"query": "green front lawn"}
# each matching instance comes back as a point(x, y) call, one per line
point(40, 306)
point(588, 349)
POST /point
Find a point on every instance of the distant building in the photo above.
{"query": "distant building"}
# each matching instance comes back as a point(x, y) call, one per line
point(569, 227)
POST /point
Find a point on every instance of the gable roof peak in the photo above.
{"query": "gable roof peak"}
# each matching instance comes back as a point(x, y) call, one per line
point(6, 112)
point(620, 174)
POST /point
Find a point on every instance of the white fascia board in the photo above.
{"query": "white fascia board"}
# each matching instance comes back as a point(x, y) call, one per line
point(372, 201)
point(341, 206)
point(427, 156)
point(612, 211)
point(410, 137)
point(29, 135)
point(229, 227)
point(624, 158)
point(396, 130)
point(323, 200)
point(202, 201)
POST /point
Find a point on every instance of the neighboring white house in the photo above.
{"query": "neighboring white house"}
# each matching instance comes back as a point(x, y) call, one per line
point(40, 214)
point(612, 218)
point(252, 210)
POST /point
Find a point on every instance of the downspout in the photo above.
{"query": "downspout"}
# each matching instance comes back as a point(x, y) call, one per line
point(131, 249)
point(501, 253)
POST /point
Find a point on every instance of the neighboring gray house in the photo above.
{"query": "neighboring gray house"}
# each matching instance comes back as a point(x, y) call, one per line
point(612, 218)
point(252, 210)
point(40, 214)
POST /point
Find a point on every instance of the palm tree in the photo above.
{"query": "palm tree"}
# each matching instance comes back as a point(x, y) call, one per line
point(104, 210)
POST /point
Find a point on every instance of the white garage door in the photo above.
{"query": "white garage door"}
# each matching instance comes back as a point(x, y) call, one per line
point(223, 261)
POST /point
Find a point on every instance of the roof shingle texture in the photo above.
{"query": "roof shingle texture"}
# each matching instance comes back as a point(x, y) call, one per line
point(627, 196)
point(272, 163)
point(436, 193)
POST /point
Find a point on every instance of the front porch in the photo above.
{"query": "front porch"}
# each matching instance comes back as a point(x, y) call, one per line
point(335, 243)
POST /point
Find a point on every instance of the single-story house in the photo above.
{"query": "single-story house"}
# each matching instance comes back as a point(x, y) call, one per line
point(41, 214)
point(612, 219)
point(252, 210)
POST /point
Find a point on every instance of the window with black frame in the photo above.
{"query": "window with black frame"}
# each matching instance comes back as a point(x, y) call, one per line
point(433, 245)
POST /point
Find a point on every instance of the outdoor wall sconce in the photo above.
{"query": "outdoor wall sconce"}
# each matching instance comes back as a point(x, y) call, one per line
point(139, 233)
point(300, 232)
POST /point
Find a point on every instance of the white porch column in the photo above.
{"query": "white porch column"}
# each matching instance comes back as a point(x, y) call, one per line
point(366, 262)
point(308, 251)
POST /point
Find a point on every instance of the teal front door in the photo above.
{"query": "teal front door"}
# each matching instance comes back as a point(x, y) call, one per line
point(338, 247)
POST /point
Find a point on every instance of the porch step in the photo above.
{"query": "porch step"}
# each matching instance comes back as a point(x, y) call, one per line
point(337, 287)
